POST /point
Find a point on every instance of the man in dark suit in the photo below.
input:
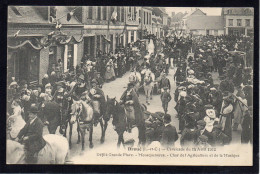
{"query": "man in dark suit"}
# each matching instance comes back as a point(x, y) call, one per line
point(169, 134)
point(31, 135)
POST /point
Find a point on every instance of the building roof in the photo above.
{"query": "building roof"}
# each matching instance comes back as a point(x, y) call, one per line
point(205, 22)
point(195, 12)
point(37, 14)
point(24, 14)
point(177, 17)
point(238, 11)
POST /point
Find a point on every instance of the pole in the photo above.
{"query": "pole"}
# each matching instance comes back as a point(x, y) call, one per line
point(141, 22)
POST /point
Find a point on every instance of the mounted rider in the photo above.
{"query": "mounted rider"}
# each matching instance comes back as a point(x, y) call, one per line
point(135, 78)
point(148, 84)
point(31, 135)
point(133, 107)
point(61, 97)
point(98, 101)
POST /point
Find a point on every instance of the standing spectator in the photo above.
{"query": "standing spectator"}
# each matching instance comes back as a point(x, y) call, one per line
point(165, 98)
point(169, 134)
point(247, 127)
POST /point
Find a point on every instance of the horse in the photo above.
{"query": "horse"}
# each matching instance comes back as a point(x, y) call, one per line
point(118, 114)
point(54, 152)
point(82, 114)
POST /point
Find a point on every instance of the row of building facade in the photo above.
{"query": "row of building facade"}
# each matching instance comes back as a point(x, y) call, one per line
point(41, 36)
point(232, 21)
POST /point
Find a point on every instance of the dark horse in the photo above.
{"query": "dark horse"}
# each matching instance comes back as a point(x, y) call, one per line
point(118, 114)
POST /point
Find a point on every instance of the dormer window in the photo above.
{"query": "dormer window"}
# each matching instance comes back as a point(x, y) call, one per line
point(229, 11)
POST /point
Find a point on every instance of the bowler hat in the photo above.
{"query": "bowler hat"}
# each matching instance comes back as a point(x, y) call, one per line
point(167, 117)
point(34, 108)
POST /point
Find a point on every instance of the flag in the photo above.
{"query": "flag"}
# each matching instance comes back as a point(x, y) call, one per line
point(114, 17)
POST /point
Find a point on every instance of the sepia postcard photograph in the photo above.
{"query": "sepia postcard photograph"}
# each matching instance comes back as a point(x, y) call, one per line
point(130, 85)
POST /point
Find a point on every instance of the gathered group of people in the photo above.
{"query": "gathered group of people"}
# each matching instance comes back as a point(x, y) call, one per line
point(213, 95)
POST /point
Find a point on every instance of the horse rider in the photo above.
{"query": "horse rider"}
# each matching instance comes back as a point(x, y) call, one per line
point(31, 135)
point(133, 107)
point(61, 98)
point(78, 88)
point(135, 78)
point(148, 85)
point(98, 101)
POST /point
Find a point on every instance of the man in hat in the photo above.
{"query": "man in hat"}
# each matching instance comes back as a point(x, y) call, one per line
point(165, 98)
point(135, 78)
point(100, 80)
point(98, 101)
point(79, 88)
point(45, 81)
point(31, 135)
point(169, 134)
point(130, 94)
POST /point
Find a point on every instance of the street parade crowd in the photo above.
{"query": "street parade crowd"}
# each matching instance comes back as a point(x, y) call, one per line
point(214, 93)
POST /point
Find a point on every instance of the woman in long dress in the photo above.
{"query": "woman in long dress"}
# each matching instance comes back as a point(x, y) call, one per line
point(110, 73)
point(15, 121)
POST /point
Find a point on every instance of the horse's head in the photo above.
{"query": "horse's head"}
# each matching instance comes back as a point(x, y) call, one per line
point(111, 103)
point(76, 109)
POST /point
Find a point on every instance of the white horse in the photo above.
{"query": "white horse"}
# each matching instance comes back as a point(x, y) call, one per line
point(54, 152)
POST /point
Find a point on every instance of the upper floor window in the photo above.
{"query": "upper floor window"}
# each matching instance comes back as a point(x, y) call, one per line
point(122, 14)
point(229, 11)
point(90, 11)
point(230, 22)
point(239, 22)
point(104, 13)
point(247, 22)
point(111, 11)
point(118, 13)
point(99, 13)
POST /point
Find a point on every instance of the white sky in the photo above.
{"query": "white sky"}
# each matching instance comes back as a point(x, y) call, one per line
point(210, 11)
